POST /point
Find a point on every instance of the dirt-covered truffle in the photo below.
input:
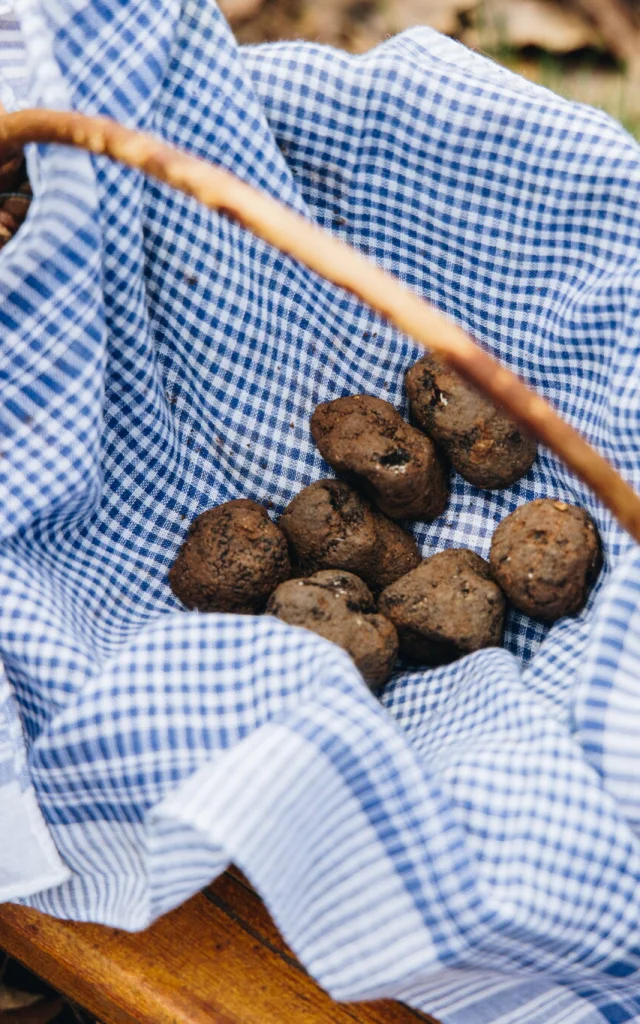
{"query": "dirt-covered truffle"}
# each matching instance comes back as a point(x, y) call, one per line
point(231, 561)
point(448, 607)
point(482, 442)
point(545, 556)
point(330, 525)
point(398, 465)
point(340, 607)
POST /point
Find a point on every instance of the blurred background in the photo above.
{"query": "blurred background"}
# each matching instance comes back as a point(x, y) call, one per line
point(587, 50)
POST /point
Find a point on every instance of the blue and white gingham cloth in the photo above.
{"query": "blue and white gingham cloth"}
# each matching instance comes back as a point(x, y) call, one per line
point(472, 845)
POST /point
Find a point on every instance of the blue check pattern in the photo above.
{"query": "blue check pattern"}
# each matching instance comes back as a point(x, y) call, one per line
point(471, 844)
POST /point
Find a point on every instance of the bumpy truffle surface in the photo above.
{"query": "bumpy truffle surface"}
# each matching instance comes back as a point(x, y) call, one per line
point(330, 525)
point(448, 607)
point(545, 556)
point(482, 442)
point(340, 607)
point(399, 466)
point(231, 561)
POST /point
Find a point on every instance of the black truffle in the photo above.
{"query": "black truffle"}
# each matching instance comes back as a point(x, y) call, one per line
point(399, 466)
point(340, 607)
point(448, 607)
point(545, 556)
point(330, 525)
point(231, 561)
point(482, 442)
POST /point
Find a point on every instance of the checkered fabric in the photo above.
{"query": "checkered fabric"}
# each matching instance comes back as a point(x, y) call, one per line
point(471, 843)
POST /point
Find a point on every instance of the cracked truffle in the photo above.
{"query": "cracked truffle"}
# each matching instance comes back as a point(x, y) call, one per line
point(545, 556)
point(448, 607)
point(340, 607)
point(481, 441)
point(397, 464)
point(231, 561)
point(329, 525)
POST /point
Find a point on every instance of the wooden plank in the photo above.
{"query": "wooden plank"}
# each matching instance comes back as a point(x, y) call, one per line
point(218, 959)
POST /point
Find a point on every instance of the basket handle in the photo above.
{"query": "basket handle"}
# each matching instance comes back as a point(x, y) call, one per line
point(337, 262)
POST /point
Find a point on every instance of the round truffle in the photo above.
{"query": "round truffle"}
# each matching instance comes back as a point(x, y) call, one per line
point(340, 607)
point(545, 556)
point(329, 525)
point(481, 441)
point(448, 607)
point(399, 466)
point(231, 561)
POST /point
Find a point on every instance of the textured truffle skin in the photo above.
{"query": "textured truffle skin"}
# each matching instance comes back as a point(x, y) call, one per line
point(545, 556)
point(341, 608)
point(448, 607)
point(481, 441)
point(329, 525)
point(231, 561)
point(399, 466)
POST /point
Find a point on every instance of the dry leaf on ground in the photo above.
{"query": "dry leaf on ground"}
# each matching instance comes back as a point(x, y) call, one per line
point(443, 15)
point(549, 26)
point(13, 999)
point(42, 1012)
point(238, 10)
point(619, 25)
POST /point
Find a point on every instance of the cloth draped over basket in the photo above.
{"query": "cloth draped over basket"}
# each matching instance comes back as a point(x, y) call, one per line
point(469, 844)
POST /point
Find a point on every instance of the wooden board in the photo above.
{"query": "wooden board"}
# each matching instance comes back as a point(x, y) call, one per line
point(218, 959)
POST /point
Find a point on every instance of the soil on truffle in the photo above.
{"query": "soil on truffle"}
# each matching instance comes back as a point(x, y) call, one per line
point(448, 607)
point(339, 606)
point(481, 441)
point(329, 525)
point(546, 556)
point(399, 466)
point(231, 561)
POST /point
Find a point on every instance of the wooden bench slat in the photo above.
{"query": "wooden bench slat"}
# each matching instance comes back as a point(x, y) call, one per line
point(218, 959)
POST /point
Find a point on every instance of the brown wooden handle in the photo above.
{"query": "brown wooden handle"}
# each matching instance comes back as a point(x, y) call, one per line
point(343, 266)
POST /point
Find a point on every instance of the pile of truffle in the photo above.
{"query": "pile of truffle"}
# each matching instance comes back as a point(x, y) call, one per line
point(338, 564)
